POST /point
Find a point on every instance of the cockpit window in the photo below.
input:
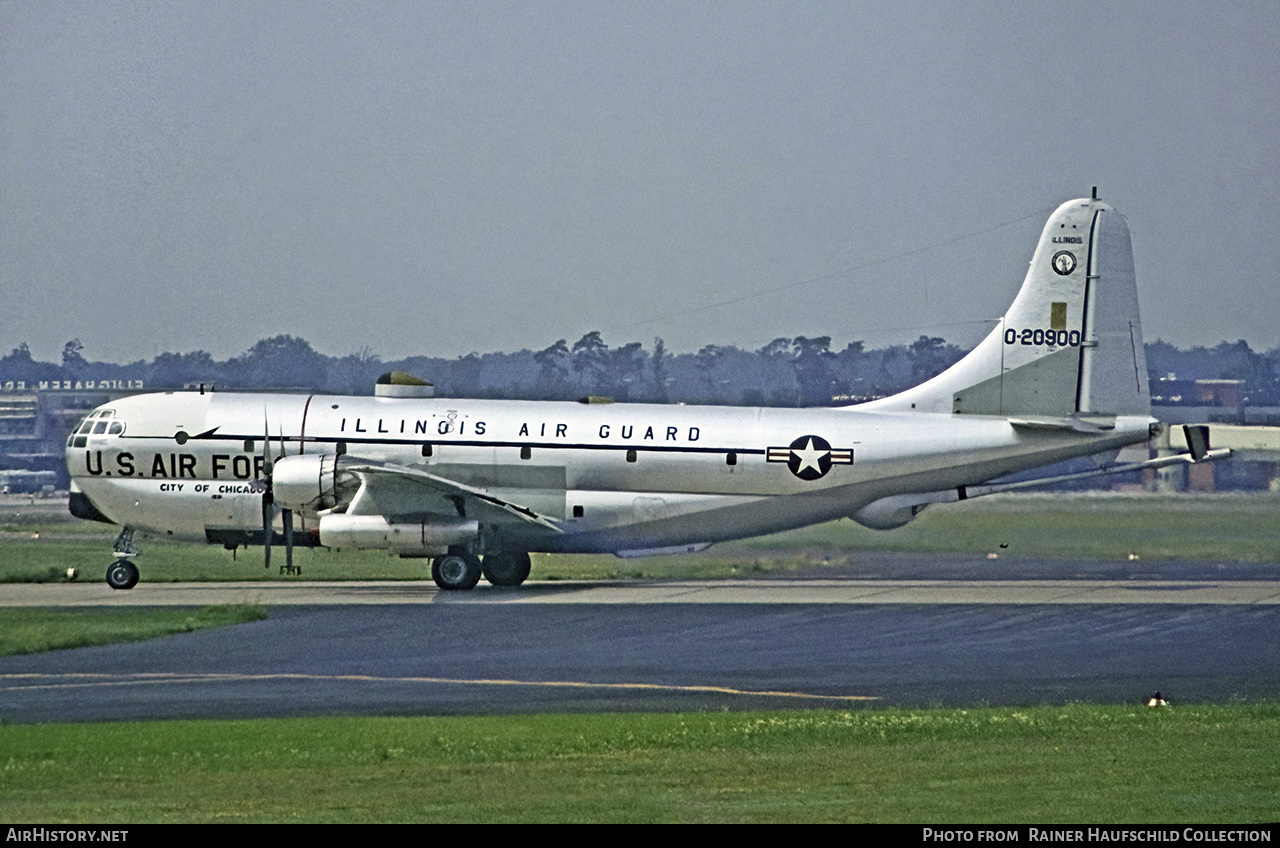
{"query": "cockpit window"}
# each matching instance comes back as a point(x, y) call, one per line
point(96, 423)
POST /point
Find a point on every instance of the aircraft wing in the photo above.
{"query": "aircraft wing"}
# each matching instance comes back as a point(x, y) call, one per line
point(388, 490)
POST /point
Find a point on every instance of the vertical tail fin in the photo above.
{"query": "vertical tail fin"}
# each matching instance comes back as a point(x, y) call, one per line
point(1071, 343)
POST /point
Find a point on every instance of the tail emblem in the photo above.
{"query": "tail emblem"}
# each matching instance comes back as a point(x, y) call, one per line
point(1064, 262)
point(810, 457)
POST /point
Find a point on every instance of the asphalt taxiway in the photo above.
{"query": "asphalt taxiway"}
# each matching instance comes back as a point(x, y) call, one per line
point(596, 593)
point(797, 642)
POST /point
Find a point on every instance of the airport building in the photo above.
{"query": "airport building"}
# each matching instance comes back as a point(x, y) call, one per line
point(1208, 402)
point(1252, 433)
point(35, 421)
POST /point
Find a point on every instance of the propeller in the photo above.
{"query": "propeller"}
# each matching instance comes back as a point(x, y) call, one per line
point(269, 502)
point(268, 495)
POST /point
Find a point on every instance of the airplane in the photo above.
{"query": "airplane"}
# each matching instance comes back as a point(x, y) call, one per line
point(476, 485)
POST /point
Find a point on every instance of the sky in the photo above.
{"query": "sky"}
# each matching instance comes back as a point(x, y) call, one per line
point(437, 178)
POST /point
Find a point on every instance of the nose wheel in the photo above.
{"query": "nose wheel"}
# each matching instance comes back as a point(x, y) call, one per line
point(122, 574)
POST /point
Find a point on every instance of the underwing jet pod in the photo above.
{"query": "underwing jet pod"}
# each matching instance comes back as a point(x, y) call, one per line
point(476, 485)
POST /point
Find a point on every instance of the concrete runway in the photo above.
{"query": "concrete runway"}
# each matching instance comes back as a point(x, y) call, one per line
point(799, 642)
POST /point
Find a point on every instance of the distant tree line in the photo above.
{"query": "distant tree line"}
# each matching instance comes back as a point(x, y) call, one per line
point(799, 371)
point(1259, 373)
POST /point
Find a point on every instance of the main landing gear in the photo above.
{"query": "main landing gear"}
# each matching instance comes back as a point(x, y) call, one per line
point(123, 574)
point(460, 569)
point(506, 569)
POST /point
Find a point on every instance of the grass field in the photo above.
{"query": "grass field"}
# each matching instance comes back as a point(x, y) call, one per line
point(1059, 764)
point(32, 630)
point(1224, 528)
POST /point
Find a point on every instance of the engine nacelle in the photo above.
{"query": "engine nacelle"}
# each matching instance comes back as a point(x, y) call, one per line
point(310, 483)
point(429, 536)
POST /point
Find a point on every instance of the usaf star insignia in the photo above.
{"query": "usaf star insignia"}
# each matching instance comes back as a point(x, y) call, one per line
point(810, 457)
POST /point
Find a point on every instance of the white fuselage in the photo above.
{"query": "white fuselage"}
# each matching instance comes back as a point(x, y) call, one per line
point(613, 477)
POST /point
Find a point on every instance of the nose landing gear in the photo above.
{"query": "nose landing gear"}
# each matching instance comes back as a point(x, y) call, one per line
point(123, 574)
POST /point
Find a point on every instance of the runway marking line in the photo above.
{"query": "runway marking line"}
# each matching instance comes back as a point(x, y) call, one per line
point(86, 680)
